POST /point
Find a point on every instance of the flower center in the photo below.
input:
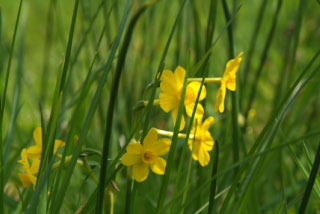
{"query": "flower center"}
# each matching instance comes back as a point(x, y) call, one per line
point(148, 157)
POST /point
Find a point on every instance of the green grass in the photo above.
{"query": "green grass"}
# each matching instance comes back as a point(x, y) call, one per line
point(81, 70)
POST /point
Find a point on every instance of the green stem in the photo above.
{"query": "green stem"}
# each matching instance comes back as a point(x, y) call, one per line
point(214, 181)
point(170, 134)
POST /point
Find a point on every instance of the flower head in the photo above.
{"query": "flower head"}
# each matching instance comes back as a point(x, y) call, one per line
point(30, 171)
point(34, 152)
point(171, 86)
point(142, 156)
point(202, 144)
point(228, 81)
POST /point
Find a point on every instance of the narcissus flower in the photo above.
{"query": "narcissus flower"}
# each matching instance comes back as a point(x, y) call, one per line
point(30, 171)
point(202, 144)
point(142, 156)
point(34, 152)
point(228, 81)
point(171, 86)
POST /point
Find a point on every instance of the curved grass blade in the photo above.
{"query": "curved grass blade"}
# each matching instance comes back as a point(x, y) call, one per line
point(312, 178)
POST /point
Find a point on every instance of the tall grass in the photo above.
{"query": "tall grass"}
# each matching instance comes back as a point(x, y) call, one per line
point(89, 74)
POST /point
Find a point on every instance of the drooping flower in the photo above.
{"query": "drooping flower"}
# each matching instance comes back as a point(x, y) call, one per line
point(171, 86)
point(34, 152)
point(141, 157)
point(228, 81)
point(30, 171)
point(203, 142)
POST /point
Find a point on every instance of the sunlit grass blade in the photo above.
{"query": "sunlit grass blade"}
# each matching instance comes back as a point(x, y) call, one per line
point(312, 177)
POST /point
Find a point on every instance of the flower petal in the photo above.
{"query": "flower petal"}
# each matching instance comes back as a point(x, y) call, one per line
point(207, 123)
point(24, 178)
point(140, 171)
point(199, 110)
point(57, 145)
point(37, 136)
point(130, 159)
point(168, 101)
point(159, 166)
point(34, 152)
point(196, 87)
point(35, 167)
point(162, 146)
point(168, 83)
point(204, 157)
point(134, 148)
point(174, 117)
point(150, 140)
point(179, 75)
point(221, 95)
point(194, 146)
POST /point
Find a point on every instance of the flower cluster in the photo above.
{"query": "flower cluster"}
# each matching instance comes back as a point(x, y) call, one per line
point(33, 153)
point(143, 156)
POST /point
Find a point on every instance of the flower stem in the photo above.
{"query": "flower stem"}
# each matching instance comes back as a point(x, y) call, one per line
point(209, 80)
point(170, 134)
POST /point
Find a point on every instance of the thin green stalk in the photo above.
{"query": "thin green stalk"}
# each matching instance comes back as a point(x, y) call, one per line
point(213, 184)
point(234, 95)
point(114, 92)
point(2, 105)
point(312, 178)
point(129, 189)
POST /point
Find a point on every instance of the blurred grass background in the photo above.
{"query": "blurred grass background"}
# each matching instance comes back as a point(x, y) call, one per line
point(40, 47)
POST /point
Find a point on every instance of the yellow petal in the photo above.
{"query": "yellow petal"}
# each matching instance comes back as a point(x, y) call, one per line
point(57, 145)
point(135, 148)
point(199, 110)
point(221, 95)
point(207, 123)
point(207, 144)
point(24, 178)
point(162, 146)
point(168, 83)
point(158, 166)
point(179, 75)
point(150, 140)
point(168, 101)
point(194, 147)
point(34, 152)
point(37, 136)
point(140, 171)
point(24, 158)
point(204, 157)
point(130, 159)
point(174, 116)
point(196, 87)
point(35, 167)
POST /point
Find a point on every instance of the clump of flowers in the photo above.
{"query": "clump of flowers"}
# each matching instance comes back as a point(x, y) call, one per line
point(33, 153)
point(142, 156)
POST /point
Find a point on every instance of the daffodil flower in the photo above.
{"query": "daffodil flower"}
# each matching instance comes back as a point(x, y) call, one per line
point(34, 152)
point(141, 157)
point(30, 171)
point(203, 142)
point(171, 86)
point(228, 81)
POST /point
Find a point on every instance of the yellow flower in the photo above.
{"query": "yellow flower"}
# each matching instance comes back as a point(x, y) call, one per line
point(228, 81)
point(142, 156)
point(30, 171)
point(34, 152)
point(203, 142)
point(171, 86)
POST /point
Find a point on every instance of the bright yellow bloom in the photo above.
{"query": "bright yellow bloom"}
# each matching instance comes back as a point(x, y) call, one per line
point(142, 156)
point(30, 171)
point(228, 81)
point(34, 152)
point(171, 86)
point(203, 142)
